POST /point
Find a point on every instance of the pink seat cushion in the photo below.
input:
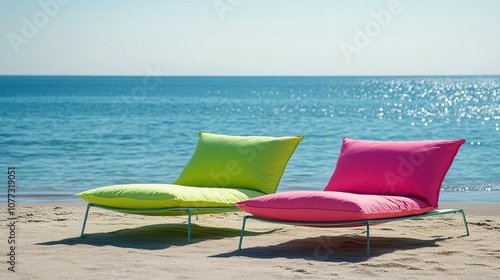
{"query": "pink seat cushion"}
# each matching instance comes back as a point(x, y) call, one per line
point(320, 206)
point(398, 168)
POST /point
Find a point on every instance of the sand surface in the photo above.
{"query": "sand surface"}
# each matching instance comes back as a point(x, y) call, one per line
point(120, 246)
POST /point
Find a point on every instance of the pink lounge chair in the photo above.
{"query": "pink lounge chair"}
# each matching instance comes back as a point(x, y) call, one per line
point(373, 182)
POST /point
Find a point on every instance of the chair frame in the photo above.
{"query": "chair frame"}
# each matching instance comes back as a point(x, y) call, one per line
point(366, 223)
point(154, 212)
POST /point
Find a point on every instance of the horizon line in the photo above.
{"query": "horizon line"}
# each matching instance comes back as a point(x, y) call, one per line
point(249, 76)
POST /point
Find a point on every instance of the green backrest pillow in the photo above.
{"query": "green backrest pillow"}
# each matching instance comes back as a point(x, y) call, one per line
point(247, 162)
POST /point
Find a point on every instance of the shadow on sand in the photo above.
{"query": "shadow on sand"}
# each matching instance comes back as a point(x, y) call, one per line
point(153, 237)
point(346, 248)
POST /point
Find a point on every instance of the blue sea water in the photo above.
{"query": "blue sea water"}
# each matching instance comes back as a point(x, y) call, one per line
point(68, 134)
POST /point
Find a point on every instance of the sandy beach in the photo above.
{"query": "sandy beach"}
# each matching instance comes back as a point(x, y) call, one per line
point(120, 246)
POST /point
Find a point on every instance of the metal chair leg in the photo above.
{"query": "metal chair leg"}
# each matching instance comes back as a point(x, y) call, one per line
point(189, 225)
point(85, 219)
point(242, 231)
point(367, 239)
point(465, 221)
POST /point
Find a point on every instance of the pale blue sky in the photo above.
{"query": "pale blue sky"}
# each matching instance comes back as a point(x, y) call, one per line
point(249, 37)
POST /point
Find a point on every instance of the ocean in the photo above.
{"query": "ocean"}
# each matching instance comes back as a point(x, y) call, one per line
point(67, 134)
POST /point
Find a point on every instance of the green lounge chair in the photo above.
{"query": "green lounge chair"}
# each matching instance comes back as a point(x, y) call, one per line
point(222, 171)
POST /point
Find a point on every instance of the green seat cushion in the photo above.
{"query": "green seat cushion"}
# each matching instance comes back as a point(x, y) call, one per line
point(160, 196)
point(242, 162)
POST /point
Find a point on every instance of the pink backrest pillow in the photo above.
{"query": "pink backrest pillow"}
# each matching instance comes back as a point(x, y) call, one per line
point(402, 168)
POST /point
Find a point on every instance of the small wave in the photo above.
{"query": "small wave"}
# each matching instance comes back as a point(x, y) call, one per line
point(486, 188)
point(46, 198)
